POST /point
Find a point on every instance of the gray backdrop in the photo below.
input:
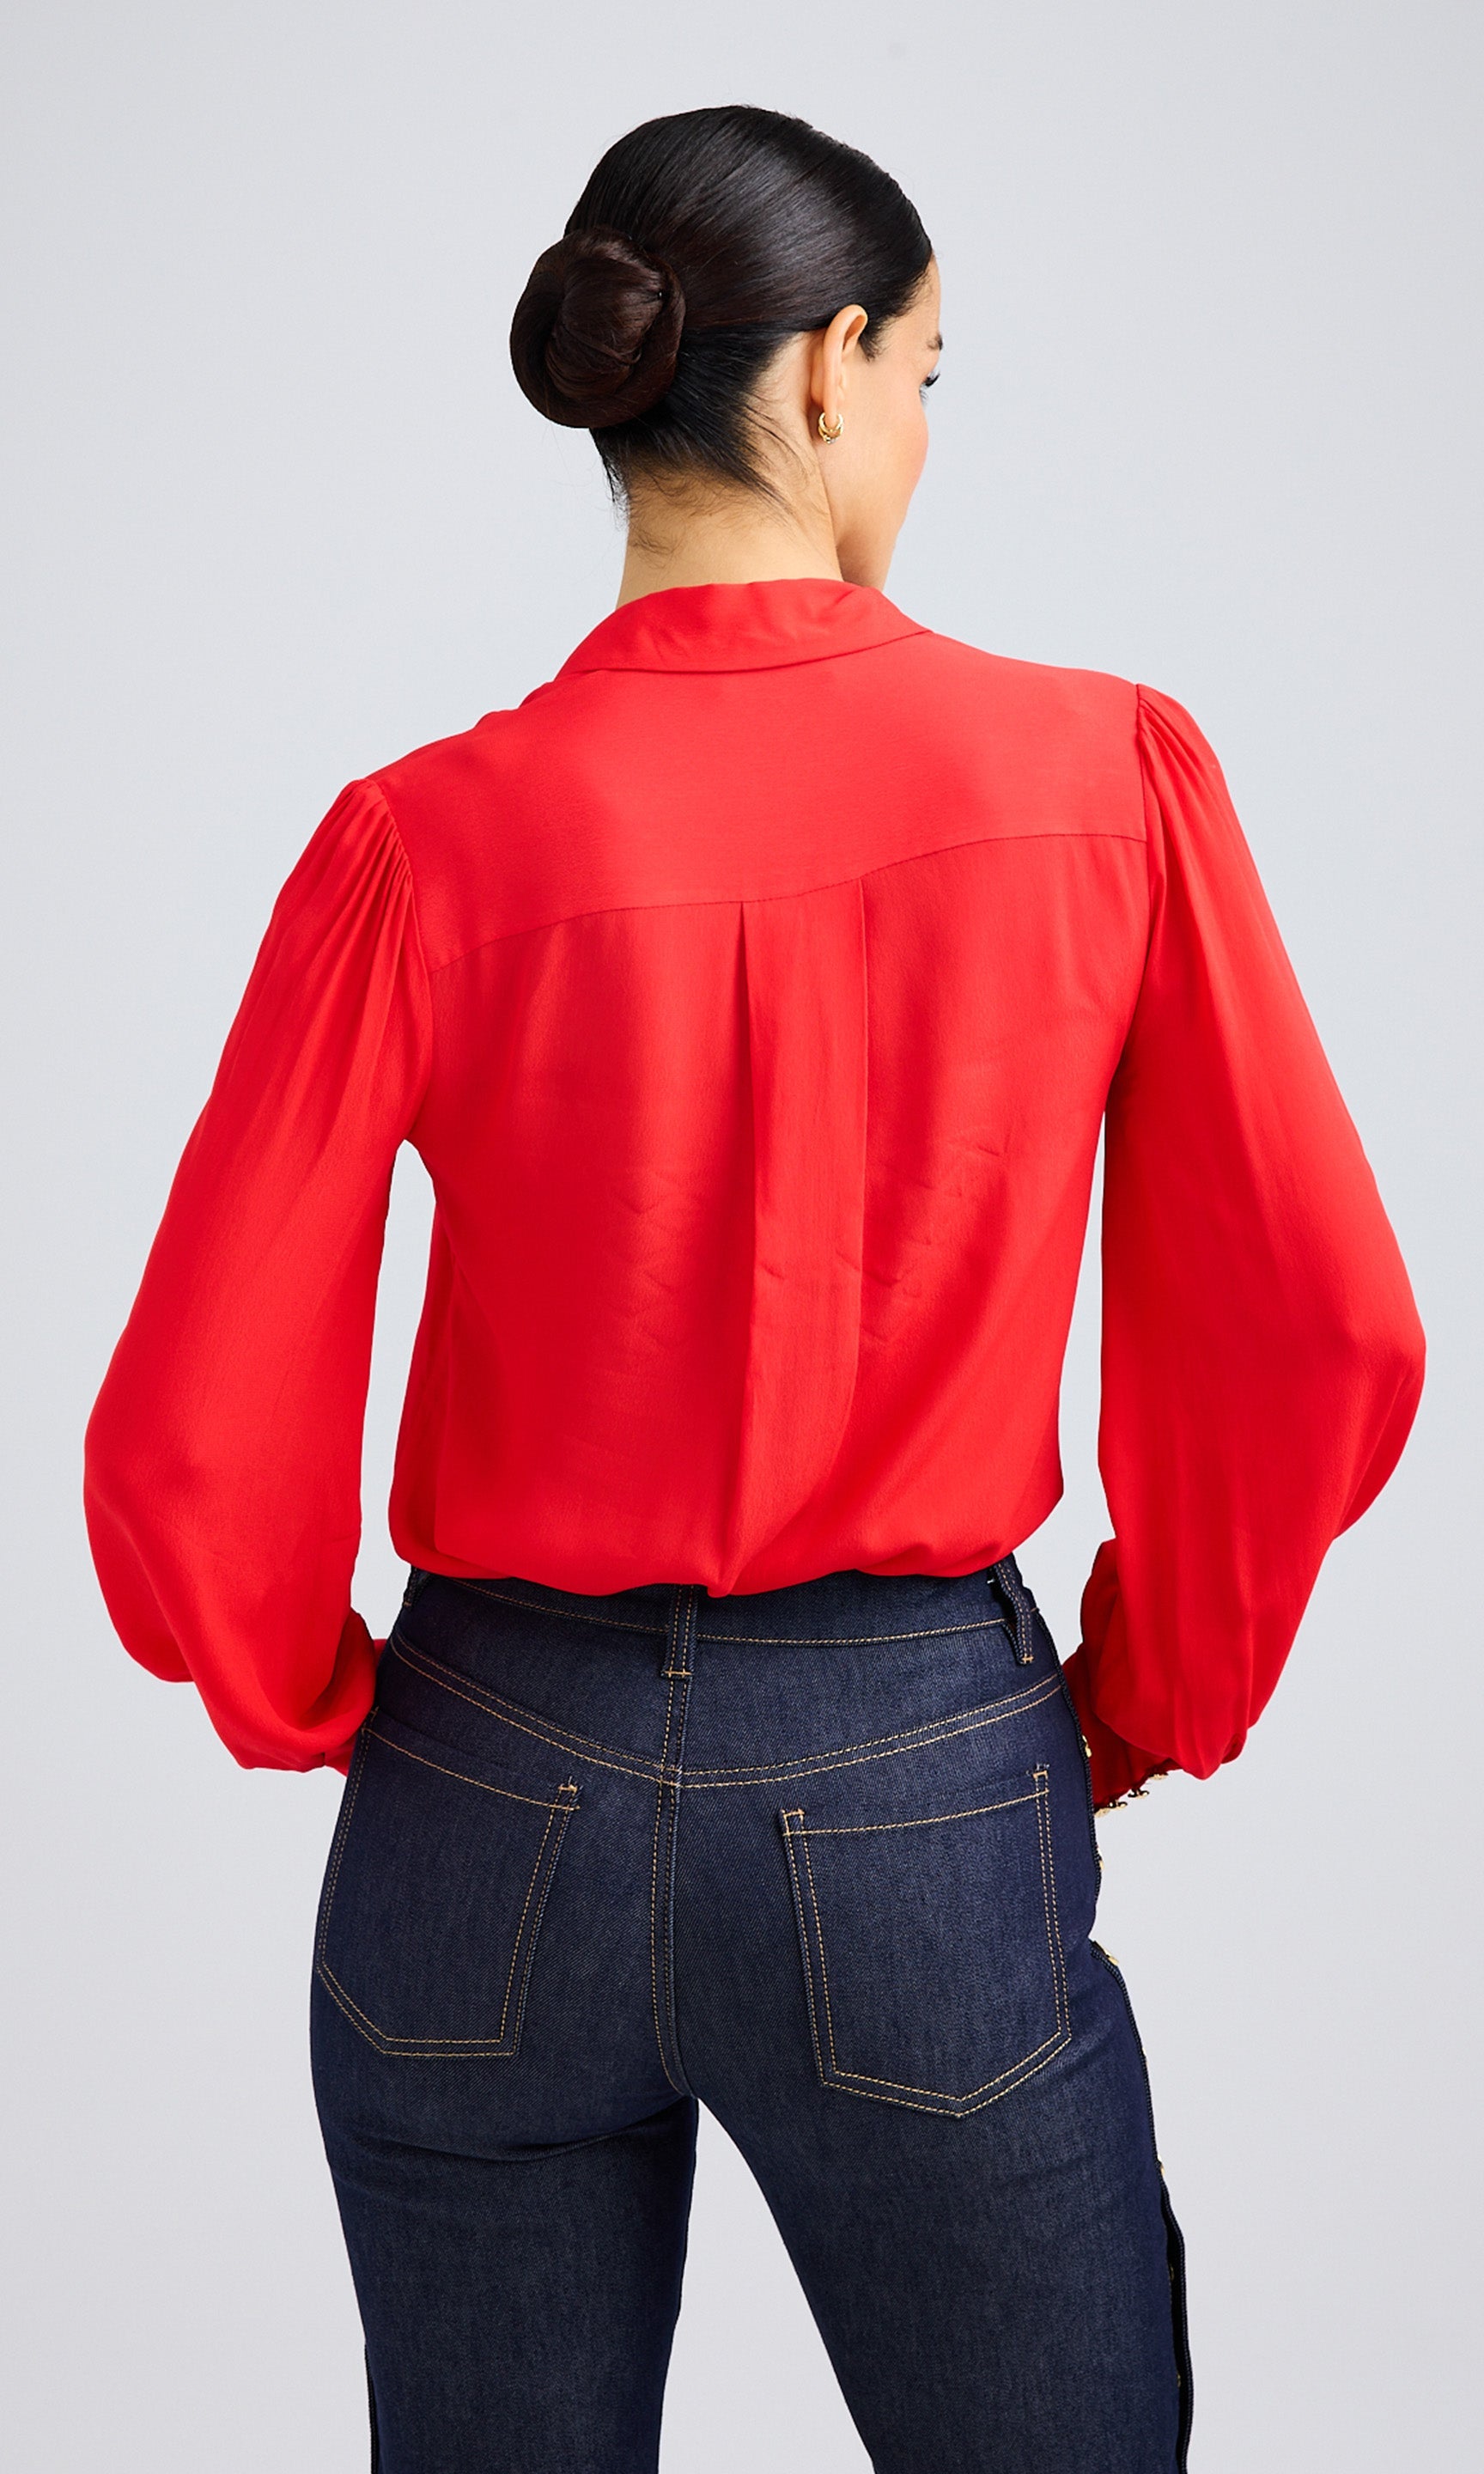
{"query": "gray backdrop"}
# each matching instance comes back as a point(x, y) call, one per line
point(1210, 417)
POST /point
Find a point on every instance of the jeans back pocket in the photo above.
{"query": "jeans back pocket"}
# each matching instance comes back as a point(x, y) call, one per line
point(434, 1893)
point(932, 1950)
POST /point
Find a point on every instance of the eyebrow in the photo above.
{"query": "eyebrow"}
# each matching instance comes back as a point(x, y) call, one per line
point(935, 343)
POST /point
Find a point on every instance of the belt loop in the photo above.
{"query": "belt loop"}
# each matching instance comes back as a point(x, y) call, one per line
point(683, 1631)
point(1022, 1605)
point(416, 1580)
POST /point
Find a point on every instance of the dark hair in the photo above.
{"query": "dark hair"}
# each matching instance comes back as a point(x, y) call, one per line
point(700, 243)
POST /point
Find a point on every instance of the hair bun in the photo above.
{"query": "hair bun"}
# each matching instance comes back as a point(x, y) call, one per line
point(596, 330)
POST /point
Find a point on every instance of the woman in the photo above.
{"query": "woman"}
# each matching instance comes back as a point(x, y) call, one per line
point(755, 992)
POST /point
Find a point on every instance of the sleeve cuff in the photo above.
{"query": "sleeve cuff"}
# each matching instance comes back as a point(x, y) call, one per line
point(343, 1753)
point(1118, 1768)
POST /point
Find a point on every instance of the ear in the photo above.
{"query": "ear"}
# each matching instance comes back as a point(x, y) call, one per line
point(833, 356)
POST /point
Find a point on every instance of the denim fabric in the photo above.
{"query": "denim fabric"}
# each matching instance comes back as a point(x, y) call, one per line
point(821, 1859)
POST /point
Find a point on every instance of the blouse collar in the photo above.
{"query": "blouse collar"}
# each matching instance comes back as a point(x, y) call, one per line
point(758, 626)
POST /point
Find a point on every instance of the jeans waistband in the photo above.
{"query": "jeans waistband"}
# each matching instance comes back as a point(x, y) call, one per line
point(845, 1606)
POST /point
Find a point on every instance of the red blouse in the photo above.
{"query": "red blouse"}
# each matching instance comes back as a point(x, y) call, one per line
point(755, 992)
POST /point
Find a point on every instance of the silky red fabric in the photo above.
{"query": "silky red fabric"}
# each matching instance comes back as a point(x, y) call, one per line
point(755, 993)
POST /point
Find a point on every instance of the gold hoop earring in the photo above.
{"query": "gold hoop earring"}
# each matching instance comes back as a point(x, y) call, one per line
point(830, 435)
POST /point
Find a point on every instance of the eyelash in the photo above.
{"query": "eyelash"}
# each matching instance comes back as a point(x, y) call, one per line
point(932, 381)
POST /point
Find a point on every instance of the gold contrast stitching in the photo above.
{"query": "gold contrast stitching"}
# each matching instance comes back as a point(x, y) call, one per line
point(567, 1614)
point(542, 1803)
point(525, 1910)
point(413, 1654)
point(1053, 1920)
point(871, 1828)
point(1004, 2082)
point(803, 1936)
point(666, 1825)
point(672, 1650)
point(752, 1639)
point(1026, 1697)
point(501, 2044)
point(852, 1639)
point(532, 1936)
point(1016, 1706)
point(819, 1933)
point(653, 1892)
point(910, 2087)
point(562, 1739)
point(954, 2111)
point(864, 2079)
point(927, 1732)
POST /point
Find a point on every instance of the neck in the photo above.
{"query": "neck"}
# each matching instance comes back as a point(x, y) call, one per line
point(737, 540)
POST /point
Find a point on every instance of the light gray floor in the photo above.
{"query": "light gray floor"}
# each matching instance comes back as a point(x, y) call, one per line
point(1210, 418)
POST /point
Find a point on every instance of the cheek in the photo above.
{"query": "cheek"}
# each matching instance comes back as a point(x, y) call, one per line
point(920, 443)
point(913, 445)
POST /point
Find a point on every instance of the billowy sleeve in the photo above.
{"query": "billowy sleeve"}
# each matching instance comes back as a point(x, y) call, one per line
point(1262, 1356)
point(223, 1456)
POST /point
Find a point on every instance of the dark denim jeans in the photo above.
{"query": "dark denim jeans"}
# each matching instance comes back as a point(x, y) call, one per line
point(821, 1859)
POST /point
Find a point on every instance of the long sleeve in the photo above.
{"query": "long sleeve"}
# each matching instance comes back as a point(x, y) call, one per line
point(1262, 1356)
point(222, 1455)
